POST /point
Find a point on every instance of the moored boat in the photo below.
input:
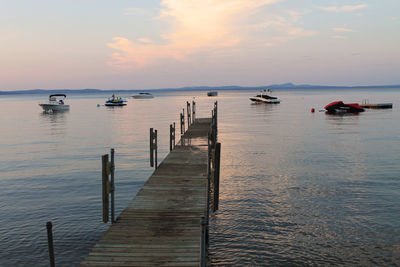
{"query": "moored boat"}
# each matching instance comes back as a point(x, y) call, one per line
point(55, 103)
point(340, 107)
point(265, 97)
point(212, 93)
point(143, 96)
point(115, 101)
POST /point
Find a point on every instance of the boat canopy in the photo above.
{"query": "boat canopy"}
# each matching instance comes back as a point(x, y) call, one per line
point(58, 95)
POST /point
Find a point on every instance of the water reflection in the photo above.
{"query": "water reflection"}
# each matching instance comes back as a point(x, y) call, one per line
point(55, 122)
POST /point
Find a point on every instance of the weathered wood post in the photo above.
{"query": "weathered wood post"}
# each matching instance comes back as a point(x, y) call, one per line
point(217, 167)
point(151, 148)
point(174, 139)
point(112, 188)
point(188, 113)
point(49, 226)
point(105, 186)
point(171, 136)
point(183, 120)
point(203, 245)
point(193, 111)
point(209, 177)
point(180, 120)
point(155, 148)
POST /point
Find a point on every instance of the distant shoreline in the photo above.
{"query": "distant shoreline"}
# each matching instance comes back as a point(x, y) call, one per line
point(286, 86)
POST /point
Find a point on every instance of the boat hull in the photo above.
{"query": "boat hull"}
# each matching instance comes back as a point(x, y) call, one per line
point(54, 107)
point(340, 107)
point(264, 100)
point(115, 104)
point(142, 97)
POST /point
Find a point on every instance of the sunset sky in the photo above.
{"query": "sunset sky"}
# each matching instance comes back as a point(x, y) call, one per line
point(151, 44)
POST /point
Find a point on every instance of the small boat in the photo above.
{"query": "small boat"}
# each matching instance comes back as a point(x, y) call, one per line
point(55, 103)
point(212, 93)
point(115, 101)
point(263, 97)
point(340, 107)
point(143, 96)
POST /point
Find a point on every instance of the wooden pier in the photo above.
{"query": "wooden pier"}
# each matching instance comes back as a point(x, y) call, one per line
point(163, 225)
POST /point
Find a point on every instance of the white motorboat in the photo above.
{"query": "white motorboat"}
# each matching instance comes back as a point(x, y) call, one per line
point(143, 96)
point(55, 103)
point(264, 97)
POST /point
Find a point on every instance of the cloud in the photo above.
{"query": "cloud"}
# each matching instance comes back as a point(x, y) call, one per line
point(283, 29)
point(198, 26)
point(342, 30)
point(345, 8)
point(339, 37)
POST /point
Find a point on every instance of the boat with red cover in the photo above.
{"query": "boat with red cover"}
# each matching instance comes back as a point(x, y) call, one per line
point(340, 107)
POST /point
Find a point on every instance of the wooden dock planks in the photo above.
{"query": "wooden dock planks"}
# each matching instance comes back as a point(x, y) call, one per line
point(161, 225)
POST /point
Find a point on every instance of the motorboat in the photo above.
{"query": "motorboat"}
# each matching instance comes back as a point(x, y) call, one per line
point(143, 96)
point(212, 93)
point(55, 103)
point(340, 107)
point(115, 101)
point(265, 97)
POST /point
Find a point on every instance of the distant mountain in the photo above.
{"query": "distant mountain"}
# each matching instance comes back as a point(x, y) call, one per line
point(194, 88)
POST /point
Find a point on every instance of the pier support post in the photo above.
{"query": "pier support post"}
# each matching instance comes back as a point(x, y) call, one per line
point(112, 188)
point(153, 148)
point(188, 113)
point(105, 186)
point(49, 226)
point(193, 111)
point(203, 245)
point(216, 175)
point(171, 136)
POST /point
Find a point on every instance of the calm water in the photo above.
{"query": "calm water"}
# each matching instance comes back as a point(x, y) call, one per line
point(296, 188)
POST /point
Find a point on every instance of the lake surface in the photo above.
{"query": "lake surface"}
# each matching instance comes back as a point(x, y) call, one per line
point(297, 188)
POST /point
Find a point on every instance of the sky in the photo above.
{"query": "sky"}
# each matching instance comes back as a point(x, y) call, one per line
point(151, 44)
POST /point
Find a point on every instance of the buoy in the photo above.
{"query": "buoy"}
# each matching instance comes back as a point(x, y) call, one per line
point(312, 110)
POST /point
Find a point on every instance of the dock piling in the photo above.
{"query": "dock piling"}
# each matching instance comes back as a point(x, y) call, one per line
point(171, 136)
point(153, 148)
point(217, 167)
point(49, 227)
point(112, 188)
point(193, 110)
point(105, 186)
point(188, 113)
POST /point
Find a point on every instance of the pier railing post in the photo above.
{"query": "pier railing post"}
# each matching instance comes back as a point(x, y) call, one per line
point(203, 245)
point(188, 113)
point(105, 186)
point(171, 136)
point(193, 111)
point(183, 120)
point(151, 148)
point(217, 167)
point(112, 188)
point(155, 148)
point(49, 227)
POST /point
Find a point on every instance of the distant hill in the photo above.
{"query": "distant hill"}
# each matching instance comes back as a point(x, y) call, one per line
point(194, 88)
